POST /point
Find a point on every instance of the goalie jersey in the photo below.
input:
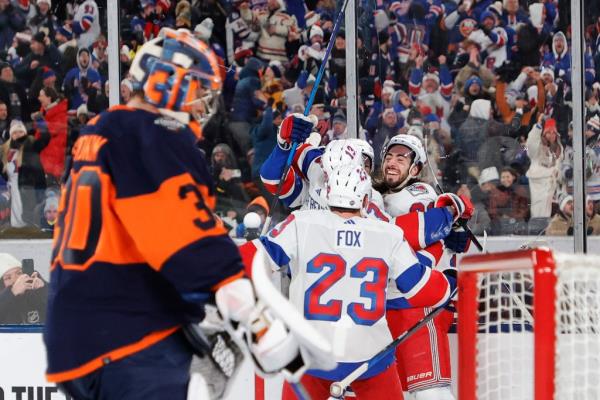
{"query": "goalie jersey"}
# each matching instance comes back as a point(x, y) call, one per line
point(137, 250)
point(340, 271)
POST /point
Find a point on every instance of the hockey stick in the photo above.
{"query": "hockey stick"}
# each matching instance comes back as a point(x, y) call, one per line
point(309, 103)
point(337, 389)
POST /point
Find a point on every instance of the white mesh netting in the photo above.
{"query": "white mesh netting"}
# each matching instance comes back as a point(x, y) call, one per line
point(505, 336)
point(505, 341)
point(577, 372)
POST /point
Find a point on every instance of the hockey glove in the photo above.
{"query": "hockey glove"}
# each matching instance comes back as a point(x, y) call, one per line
point(272, 346)
point(295, 128)
point(458, 240)
point(461, 205)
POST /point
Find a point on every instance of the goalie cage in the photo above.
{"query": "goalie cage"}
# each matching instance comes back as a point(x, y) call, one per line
point(529, 326)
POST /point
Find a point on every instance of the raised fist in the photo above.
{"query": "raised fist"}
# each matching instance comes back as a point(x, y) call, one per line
point(461, 205)
point(295, 128)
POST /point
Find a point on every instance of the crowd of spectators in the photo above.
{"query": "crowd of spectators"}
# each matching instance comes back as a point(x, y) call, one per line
point(485, 84)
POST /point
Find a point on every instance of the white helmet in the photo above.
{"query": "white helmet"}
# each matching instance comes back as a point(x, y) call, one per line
point(340, 152)
point(347, 187)
point(412, 142)
point(365, 148)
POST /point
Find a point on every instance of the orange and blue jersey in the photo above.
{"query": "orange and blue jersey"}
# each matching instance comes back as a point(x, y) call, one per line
point(137, 249)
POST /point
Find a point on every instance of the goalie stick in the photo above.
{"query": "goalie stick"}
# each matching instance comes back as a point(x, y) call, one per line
point(337, 389)
point(309, 103)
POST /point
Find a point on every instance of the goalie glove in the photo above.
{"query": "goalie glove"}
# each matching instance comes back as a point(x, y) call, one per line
point(295, 128)
point(461, 205)
point(269, 342)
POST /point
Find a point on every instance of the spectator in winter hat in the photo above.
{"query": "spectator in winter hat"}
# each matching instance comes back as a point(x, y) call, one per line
point(50, 214)
point(492, 39)
point(22, 166)
point(67, 45)
point(23, 298)
point(13, 94)
point(546, 154)
point(126, 90)
point(473, 90)
point(561, 223)
point(41, 55)
point(48, 78)
point(339, 128)
point(204, 29)
point(315, 34)
point(427, 88)
point(42, 19)
point(81, 81)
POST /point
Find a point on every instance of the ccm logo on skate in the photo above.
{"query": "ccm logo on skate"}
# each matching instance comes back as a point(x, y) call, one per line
point(419, 376)
point(348, 239)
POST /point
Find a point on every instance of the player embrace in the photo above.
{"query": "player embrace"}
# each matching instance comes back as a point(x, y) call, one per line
point(423, 359)
point(124, 291)
point(342, 264)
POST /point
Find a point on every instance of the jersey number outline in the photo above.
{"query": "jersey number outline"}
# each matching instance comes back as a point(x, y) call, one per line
point(373, 290)
point(420, 207)
point(88, 188)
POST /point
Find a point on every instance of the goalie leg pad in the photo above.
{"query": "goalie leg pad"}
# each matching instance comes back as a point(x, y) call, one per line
point(197, 388)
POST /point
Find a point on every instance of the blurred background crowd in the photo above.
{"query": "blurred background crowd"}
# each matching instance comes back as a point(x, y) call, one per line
point(485, 84)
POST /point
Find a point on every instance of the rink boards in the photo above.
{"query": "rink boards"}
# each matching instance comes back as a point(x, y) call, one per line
point(22, 352)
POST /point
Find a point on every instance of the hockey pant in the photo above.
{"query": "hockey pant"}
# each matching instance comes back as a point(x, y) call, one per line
point(159, 372)
point(423, 360)
point(384, 386)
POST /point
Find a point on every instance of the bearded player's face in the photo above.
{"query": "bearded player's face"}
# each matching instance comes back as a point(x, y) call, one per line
point(396, 165)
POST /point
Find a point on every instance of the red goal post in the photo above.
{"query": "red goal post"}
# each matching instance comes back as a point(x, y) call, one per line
point(529, 326)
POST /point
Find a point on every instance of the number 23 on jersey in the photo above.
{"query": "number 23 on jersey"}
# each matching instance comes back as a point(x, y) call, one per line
point(371, 306)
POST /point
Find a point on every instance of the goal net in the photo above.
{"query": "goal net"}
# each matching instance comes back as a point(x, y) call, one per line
point(529, 326)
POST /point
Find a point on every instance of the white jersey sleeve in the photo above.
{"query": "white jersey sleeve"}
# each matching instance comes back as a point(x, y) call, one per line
point(341, 270)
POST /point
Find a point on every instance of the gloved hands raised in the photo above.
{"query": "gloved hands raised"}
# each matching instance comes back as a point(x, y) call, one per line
point(295, 128)
point(461, 205)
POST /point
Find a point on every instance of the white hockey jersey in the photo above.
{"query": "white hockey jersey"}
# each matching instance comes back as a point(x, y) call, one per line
point(305, 185)
point(86, 23)
point(416, 197)
point(341, 270)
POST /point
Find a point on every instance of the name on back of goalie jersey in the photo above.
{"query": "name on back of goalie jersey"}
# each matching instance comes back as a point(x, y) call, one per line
point(348, 238)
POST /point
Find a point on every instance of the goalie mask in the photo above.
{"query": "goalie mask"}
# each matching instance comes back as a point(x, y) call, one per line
point(178, 74)
point(347, 187)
